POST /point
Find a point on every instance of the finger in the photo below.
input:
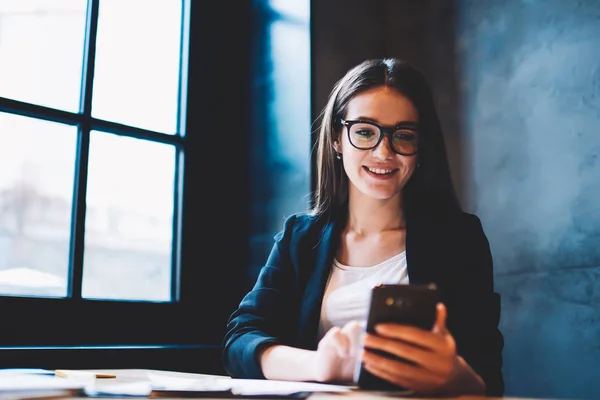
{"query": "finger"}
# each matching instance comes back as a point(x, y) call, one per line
point(341, 343)
point(329, 339)
point(384, 374)
point(441, 317)
point(418, 355)
point(331, 333)
point(397, 372)
point(354, 332)
point(419, 383)
point(411, 334)
point(441, 329)
point(434, 362)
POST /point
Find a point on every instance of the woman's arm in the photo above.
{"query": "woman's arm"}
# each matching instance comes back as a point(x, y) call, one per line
point(266, 315)
point(288, 363)
point(333, 361)
point(475, 312)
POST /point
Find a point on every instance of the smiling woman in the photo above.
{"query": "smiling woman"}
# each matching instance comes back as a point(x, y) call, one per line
point(383, 171)
point(385, 211)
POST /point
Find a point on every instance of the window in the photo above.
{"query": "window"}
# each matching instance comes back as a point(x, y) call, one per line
point(92, 123)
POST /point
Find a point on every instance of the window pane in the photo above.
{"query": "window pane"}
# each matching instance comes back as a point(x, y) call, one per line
point(129, 220)
point(37, 162)
point(298, 10)
point(137, 63)
point(41, 51)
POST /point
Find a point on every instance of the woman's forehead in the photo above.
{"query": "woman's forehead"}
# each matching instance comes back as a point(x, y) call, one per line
point(383, 105)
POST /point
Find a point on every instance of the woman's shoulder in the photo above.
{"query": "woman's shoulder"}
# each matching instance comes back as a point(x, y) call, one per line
point(461, 222)
point(303, 223)
point(467, 219)
point(464, 227)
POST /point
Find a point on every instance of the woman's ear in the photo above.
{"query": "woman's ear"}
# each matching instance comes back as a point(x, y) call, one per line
point(336, 146)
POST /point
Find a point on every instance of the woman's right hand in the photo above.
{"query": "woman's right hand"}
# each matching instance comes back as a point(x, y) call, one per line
point(337, 352)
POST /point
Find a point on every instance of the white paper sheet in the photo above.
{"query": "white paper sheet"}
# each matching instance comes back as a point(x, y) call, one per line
point(27, 382)
point(117, 389)
point(261, 386)
point(241, 386)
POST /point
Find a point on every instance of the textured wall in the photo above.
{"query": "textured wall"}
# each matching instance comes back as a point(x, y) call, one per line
point(530, 85)
point(517, 84)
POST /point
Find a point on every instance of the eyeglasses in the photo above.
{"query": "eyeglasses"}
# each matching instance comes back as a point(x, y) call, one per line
point(364, 135)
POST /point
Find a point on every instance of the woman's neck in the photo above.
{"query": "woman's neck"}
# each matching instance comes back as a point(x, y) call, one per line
point(372, 216)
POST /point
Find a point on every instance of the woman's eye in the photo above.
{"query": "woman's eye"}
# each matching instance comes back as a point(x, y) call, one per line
point(405, 137)
point(365, 133)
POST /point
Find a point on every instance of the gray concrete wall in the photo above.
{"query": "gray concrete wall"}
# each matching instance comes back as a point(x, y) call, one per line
point(530, 83)
point(517, 84)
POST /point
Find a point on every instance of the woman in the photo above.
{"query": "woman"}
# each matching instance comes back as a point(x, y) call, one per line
point(385, 211)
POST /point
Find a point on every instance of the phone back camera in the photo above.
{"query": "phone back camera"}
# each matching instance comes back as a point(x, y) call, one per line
point(397, 302)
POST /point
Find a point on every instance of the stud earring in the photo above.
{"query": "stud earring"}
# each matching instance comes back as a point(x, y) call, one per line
point(338, 156)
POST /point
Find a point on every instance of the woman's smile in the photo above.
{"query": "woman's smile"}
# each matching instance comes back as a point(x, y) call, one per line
point(381, 173)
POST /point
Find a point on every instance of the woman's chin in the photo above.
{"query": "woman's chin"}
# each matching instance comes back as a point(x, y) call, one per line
point(380, 193)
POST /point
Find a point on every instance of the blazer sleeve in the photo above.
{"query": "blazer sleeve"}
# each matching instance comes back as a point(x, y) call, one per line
point(265, 314)
point(476, 325)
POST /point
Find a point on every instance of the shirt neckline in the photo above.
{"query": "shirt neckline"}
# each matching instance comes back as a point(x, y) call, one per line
point(344, 267)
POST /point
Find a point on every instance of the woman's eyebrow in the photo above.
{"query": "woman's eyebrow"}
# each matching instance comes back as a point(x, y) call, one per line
point(405, 123)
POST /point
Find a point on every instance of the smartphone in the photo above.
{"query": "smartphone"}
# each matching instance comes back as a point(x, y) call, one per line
point(408, 304)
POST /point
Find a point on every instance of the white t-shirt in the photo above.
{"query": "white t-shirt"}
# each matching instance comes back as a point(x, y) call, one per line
point(348, 290)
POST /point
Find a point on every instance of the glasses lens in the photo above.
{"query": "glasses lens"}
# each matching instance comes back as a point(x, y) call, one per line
point(405, 141)
point(363, 135)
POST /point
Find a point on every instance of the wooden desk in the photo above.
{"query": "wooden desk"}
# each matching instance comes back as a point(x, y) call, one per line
point(141, 375)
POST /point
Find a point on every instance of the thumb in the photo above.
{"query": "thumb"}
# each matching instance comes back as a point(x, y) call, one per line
point(353, 331)
point(440, 320)
point(340, 342)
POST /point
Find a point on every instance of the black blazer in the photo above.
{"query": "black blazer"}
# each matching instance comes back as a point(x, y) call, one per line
point(284, 305)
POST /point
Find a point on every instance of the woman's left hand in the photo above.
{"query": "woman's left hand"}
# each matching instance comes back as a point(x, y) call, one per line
point(437, 369)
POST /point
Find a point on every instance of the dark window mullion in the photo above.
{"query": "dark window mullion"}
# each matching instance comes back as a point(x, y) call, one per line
point(180, 152)
point(66, 117)
point(39, 112)
point(83, 149)
point(176, 242)
point(183, 68)
point(132, 131)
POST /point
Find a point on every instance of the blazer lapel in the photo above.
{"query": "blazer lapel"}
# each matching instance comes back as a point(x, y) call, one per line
point(315, 287)
point(418, 253)
point(417, 246)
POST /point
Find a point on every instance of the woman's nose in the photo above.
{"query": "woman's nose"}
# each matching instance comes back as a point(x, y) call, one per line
point(383, 150)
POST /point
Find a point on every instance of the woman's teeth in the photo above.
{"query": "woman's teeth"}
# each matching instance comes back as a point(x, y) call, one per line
point(380, 171)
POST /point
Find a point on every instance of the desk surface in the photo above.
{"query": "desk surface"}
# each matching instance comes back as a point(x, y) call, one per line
point(142, 375)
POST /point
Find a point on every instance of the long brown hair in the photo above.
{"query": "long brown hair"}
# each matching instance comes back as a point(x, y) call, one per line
point(431, 184)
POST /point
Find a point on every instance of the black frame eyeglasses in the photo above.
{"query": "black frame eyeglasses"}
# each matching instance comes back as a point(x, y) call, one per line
point(404, 139)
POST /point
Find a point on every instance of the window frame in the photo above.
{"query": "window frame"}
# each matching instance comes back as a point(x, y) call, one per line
point(187, 335)
point(90, 322)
